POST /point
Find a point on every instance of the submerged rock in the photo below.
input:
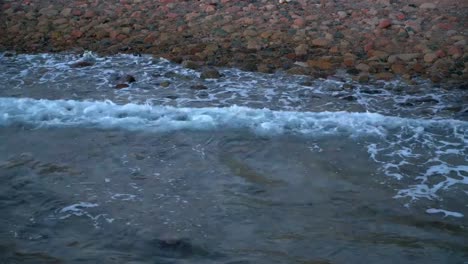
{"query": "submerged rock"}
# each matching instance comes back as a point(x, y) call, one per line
point(210, 73)
point(121, 86)
point(165, 84)
point(198, 87)
point(190, 65)
point(129, 78)
point(81, 64)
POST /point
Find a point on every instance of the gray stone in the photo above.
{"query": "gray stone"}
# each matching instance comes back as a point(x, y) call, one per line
point(210, 73)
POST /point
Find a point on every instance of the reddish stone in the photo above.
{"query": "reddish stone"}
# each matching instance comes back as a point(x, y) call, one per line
point(385, 23)
point(233, 9)
point(321, 63)
point(334, 49)
point(149, 39)
point(369, 46)
point(6, 6)
point(386, 76)
point(349, 62)
point(455, 50)
point(121, 86)
point(398, 68)
point(136, 14)
point(400, 16)
point(321, 42)
point(440, 54)
point(89, 14)
point(299, 22)
point(113, 34)
point(417, 67)
point(76, 33)
point(172, 15)
point(210, 8)
point(290, 56)
point(76, 12)
point(121, 37)
point(445, 26)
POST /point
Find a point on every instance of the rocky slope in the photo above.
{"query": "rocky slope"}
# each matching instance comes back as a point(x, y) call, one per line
point(371, 38)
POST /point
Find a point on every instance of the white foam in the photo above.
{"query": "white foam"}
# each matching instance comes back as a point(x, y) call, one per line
point(77, 208)
point(106, 114)
point(445, 212)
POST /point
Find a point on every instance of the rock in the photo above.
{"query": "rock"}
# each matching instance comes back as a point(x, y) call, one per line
point(352, 71)
point(254, 44)
point(76, 33)
point(378, 55)
point(129, 78)
point(298, 71)
point(350, 98)
point(76, 12)
point(172, 97)
point(363, 67)
point(198, 87)
point(370, 91)
point(66, 12)
point(455, 51)
point(385, 23)
point(342, 14)
point(210, 73)
point(430, 57)
point(81, 64)
point(386, 76)
point(8, 54)
point(299, 22)
point(265, 68)
point(418, 67)
point(363, 78)
point(190, 65)
point(427, 6)
point(321, 42)
point(398, 68)
point(121, 86)
point(249, 65)
point(301, 50)
point(321, 63)
point(408, 56)
point(165, 84)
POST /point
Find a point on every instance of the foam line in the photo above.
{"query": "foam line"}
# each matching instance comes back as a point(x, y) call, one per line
point(106, 114)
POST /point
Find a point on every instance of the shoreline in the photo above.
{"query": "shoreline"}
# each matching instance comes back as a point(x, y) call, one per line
point(380, 40)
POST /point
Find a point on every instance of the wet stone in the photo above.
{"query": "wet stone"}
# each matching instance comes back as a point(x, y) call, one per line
point(190, 65)
point(165, 84)
point(369, 91)
point(210, 73)
point(81, 64)
point(129, 78)
point(350, 98)
point(172, 97)
point(198, 87)
point(8, 54)
point(428, 100)
point(121, 85)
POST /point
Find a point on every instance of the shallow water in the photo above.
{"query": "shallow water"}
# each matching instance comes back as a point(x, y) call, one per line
point(255, 169)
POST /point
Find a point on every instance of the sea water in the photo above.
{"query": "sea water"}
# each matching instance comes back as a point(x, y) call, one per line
point(256, 168)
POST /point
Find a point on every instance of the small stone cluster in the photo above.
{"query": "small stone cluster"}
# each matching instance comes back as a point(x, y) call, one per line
point(370, 38)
